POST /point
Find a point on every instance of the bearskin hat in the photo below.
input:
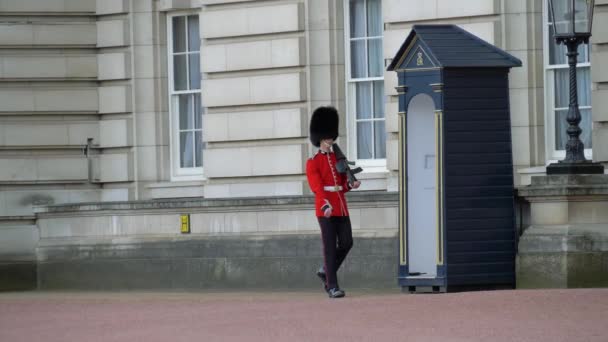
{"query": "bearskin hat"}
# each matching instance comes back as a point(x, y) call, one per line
point(324, 124)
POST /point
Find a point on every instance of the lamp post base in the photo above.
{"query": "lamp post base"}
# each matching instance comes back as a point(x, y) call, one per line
point(564, 168)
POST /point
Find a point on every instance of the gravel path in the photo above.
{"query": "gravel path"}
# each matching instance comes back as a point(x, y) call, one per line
point(522, 315)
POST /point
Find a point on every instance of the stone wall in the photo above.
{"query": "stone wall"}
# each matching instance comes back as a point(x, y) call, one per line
point(48, 109)
point(219, 262)
point(566, 243)
point(259, 73)
point(270, 242)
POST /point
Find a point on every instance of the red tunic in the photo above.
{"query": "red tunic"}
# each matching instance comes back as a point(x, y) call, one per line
point(321, 172)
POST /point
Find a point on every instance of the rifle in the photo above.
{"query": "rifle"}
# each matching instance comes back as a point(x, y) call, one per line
point(343, 165)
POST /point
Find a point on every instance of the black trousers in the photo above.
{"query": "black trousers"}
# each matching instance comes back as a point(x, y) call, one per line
point(337, 237)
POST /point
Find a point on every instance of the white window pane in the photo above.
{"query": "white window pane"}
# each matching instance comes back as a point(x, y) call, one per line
point(357, 18)
point(194, 40)
point(198, 119)
point(378, 99)
point(376, 63)
point(560, 129)
point(186, 144)
point(583, 76)
point(180, 77)
point(562, 94)
point(358, 67)
point(195, 70)
point(379, 140)
point(374, 18)
point(198, 148)
point(561, 125)
point(583, 53)
point(366, 61)
point(562, 87)
point(186, 109)
point(179, 34)
point(364, 140)
point(586, 126)
point(363, 100)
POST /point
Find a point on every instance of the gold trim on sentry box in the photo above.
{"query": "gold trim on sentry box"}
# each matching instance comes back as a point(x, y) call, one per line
point(402, 192)
point(439, 183)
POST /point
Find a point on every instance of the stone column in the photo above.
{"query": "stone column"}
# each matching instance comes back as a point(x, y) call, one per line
point(566, 244)
point(599, 77)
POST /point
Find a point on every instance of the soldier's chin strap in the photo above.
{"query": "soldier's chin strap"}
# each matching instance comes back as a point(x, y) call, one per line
point(343, 165)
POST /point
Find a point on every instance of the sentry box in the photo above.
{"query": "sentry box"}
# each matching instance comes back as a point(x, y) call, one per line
point(456, 203)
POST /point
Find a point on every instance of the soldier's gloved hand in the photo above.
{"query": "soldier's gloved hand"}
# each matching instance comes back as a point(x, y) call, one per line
point(355, 184)
point(327, 213)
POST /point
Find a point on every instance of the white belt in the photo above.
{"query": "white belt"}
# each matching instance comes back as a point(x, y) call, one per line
point(334, 188)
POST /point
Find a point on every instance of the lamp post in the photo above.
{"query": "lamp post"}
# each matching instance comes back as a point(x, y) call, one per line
point(571, 21)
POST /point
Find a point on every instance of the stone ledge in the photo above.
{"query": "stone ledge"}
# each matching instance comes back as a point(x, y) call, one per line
point(356, 199)
point(174, 5)
point(566, 185)
point(570, 180)
point(24, 219)
point(164, 238)
point(18, 257)
point(180, 184)
point(292, 245)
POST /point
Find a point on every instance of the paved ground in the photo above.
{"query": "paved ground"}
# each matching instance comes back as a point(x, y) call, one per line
point(541, 315)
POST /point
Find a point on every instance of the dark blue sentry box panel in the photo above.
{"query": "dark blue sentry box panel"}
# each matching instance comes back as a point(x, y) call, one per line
point(473, 229)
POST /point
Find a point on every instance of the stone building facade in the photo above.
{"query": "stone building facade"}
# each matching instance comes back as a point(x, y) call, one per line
point(118, 116)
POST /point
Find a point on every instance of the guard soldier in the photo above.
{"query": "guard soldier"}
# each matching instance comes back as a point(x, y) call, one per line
point(329, 186)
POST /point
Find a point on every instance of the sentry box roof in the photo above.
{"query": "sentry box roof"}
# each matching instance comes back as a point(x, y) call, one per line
point(449, 46)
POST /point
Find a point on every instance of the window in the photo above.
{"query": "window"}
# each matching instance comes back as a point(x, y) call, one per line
point(185, 96)
point(557, 94)
point(365, 82)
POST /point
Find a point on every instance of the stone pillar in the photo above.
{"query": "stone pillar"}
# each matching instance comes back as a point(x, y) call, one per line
point(566, 244)
point(599, 77)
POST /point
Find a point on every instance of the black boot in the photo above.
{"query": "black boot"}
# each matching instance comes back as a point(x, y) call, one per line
point(323, 277)
point(335, 293)
point(321, 274)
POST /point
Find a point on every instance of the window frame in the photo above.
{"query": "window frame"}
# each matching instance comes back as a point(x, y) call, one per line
point(552, 154)
point(179, 173)
point(369, 165)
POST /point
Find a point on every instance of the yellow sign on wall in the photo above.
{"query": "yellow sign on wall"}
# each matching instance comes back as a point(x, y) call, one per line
point(185, 223)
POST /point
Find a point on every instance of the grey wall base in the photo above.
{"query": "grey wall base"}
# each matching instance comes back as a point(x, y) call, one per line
point(277, 262)
point(563, 257)
point(17, 275)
